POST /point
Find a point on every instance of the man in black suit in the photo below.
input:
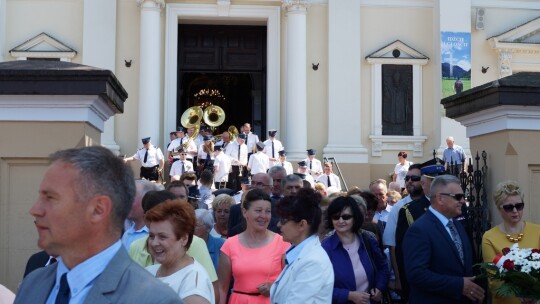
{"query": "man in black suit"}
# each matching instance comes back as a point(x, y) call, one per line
point(438, 252)
point(38, 260)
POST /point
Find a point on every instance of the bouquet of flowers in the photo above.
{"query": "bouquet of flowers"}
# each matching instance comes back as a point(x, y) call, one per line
point(518, 270)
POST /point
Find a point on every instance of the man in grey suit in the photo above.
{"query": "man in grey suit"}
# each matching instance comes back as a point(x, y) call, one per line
point(84, 198)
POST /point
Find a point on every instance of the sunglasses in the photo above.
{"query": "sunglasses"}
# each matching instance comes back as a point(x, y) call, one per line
point(414, 178)
point(458, 197)
point(510, 208)
point(344, 217)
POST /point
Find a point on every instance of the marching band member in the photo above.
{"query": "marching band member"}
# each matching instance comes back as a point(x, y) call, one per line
point(238, 152)
point(314, 165)
point(151, 158)
point(284, 163)
point(329, 178)
point(258, 162)
point(180, 167)
point(222, 167)
point(272, 147)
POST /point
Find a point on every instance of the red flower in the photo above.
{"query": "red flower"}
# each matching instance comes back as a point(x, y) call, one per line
point(505, 250)
point(508, 265)
point(536, 250)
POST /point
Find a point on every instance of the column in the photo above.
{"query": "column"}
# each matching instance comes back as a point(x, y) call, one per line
point(2, 30)
point(296, 97)
point(99, 50)
point(344, 85)
point(149, 74)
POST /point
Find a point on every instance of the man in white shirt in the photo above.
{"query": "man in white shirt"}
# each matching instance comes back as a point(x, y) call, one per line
point(238, 152)
point(180, 167)
point(251, 140)
point(258, 162)
point(222, 167)
point(302, 169)
point(329, 178)
point(314, 165)
point(151, 158)
point(272, 146)
point(284, 163)
point(176, 144)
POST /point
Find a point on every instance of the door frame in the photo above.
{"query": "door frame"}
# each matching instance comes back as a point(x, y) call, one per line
point(243, 14)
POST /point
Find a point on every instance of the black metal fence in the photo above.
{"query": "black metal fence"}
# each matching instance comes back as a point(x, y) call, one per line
point(473, 182)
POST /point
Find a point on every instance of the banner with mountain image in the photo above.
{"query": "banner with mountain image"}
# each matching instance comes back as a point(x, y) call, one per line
point(456, 62)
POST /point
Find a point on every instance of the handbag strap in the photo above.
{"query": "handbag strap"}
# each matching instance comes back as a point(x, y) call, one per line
point(369, 248)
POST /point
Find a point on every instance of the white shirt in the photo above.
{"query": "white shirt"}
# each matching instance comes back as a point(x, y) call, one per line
point(315, 169)
point(258, 163)
point(383, 215)
point(334, 180)
point(286, 165)
point(401, 171)
point(188, 281)
point(176, 168)
point(389, 235)
point(222, 165)
point(268, 150)
point(154, 156)
point(201, 155)
point(232, 152)
point(251, 140)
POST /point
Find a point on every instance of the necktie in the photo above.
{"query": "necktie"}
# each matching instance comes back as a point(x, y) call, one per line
point(283, 164)
point(145, 156)
point(239, 146)
point(456, 238)
point(63, 293)
point(247, 138)
point(329, 184)
point(310, 167)
point(183, 167)
point(273, 150)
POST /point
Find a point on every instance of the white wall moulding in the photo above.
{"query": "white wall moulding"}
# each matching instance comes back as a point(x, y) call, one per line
point(43, 46)
point(396, 53)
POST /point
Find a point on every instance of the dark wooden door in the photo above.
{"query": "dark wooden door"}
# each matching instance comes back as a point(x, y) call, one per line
point(231, 59)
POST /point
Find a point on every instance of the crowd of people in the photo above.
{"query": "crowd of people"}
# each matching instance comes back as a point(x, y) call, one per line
point(269, 236)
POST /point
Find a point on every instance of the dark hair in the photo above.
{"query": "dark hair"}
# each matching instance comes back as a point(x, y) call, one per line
point(181, 216)
point(402, 154)
point(255, 194)
point(372, 201)
point(415, 166)
point(154, 198)
point(338, 205)
point(100, 172)
point(189, 176)
point(177, 184)
point(303, 206)
point(291, 178)
point(206, 177)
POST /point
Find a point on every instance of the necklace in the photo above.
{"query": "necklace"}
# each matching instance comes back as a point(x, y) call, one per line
point(512, 238)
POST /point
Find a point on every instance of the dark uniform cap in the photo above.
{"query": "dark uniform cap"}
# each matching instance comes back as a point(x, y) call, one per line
point(272, 132)
point(311, 151)
point(202, 128)
point(208, 137)
point(181, 150)
point(260, 145)
point(194, 193)
point(180, 129)
point(302, 164)
point(242, 136)
point(433, 168)
point(282, 153)
point(145, 140)
point(218, 148)
point(227, 191)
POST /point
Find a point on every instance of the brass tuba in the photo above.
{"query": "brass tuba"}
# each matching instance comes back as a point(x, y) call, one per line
point(191, 118)
point(214, 116)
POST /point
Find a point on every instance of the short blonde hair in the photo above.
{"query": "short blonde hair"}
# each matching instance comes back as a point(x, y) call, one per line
point(505, 189)
point(223, 200)
point(394, 195)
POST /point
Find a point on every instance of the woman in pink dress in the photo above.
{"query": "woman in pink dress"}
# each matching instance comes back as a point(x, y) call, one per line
point(254, 258)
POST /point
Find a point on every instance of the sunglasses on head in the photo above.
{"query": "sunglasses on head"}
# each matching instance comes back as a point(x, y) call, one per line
point(414, 178)
point(510, 207)
point(345, 217)
point(458, 197)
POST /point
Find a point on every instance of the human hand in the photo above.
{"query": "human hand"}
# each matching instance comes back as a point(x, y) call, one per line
point(376, 294)
point(358, 297)
point(264, 288)
point(472, 291)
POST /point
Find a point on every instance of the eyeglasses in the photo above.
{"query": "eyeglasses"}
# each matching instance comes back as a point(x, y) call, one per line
point(458, 196)
point(414, 178)
point(510, 207)
point(344, 217)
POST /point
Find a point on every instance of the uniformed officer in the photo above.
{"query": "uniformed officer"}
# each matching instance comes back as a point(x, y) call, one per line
point(284, 163)
point(302, 169)
point(258, 162)
point(272, 146)
point(314, 165)
point(180, 167)
point(238, 152)
point(151, 158)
